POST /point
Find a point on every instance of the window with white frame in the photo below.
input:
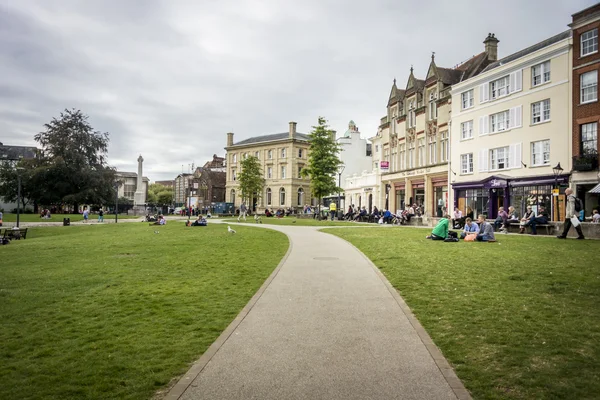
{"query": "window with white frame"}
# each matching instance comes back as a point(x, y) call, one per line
point(394, 160)
point(300, 171)
point(257, 154)
point(411, 154)
point(234, 158)
point(499, 122)
point(411, 115)
point(466, 163)
point(540, 73)
point(402, 155)
point(432, 149)
point(589, 139)
point(233, 174)
point(282, 197)
point(540, 111)
point(589, 42)
point(269, 196)
point(589, 87)
point(300, 196)
point(499, 87)
point(283, 153)
point(376, 148)
point(467, 99)
point(270, 172)
point(270, 154)
point(540, 152)
point(466, 130)
point(432, 106)
point(299, 153)
point(444, 147)
point(421, 151)
point(283, 172)
point(245, 156)
point(499, 158)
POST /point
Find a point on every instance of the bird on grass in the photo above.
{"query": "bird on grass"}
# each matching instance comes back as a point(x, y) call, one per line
point(156, 232)
point(230, 230)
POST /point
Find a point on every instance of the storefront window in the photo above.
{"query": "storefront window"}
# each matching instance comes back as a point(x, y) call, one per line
point(534, 196)
point(473, 202)
point(440, 199)
point(419, 195)
point(400, 199)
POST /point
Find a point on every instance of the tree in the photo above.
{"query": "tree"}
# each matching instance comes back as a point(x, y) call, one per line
point(9, 181)
point(72, 168)
point(250, 178)
point(160, 195)
point(323, 161)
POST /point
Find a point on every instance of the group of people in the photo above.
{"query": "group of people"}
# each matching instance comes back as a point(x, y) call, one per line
point(480, 231)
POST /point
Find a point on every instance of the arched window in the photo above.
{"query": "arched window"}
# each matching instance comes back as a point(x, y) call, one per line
point(282, 197)
point(232, 196)
point(268, 196)
point(300, 197)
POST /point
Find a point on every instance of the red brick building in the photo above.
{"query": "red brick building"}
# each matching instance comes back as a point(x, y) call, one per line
point(586, 107)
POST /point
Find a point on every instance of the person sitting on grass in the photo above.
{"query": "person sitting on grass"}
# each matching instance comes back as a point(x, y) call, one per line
point(470, 228)
point(486, 230)
point(440, 232)
point(268, 213)
point(201, 221)
point(161, 221)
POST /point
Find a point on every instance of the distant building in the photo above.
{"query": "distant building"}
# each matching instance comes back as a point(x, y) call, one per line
point(169, 184)
point(216, 164)
point(13, 154)
point(129, 184)
point(282, 156)
point(181, 189)
point(356, 159)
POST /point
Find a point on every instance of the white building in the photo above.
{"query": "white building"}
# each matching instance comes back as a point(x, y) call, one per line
point(509, 127)
point(355, 154)
point(363, 190)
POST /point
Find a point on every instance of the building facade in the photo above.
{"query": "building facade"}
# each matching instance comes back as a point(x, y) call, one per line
point(510, 127)
point(362, 190)
point(356, 159)
point(412, 145)
point(585, 105)
point(282, 156)
point(128, 185)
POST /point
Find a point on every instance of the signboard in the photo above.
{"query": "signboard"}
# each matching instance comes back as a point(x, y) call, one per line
point(384, 165)
point(555, 192)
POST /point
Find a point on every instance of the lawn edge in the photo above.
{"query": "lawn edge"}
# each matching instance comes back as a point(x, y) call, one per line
point(186, 380)
point(459, 389)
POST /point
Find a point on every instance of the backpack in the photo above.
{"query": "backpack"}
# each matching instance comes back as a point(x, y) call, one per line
point(578, 204)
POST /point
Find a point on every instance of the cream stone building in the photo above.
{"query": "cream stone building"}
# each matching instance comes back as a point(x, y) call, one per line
point(411, 148)
point(510, 126)
point(282, 156)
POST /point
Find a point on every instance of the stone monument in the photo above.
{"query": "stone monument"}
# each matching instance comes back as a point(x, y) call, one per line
point(139, 198)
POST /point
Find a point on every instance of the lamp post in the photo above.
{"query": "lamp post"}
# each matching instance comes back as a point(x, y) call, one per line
point(19, 194)
point(116, 186)
point(557, 171)
point(340, 211)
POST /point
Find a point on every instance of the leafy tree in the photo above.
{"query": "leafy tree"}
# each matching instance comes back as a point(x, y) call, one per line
point(160, 195)
point(73, 168)
point(323, 161)
point(9, 181)
point(250, 178)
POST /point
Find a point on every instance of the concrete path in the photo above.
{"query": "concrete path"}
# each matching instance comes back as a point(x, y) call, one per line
point(325, 325)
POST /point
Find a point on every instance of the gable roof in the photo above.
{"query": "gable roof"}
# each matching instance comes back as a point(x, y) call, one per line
point(396, 95)
point(529, 50)
point(271, 138)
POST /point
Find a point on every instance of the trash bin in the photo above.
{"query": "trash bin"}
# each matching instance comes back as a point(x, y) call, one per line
point(66, 221)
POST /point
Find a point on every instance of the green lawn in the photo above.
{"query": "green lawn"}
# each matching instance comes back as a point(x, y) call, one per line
point(8, 217)
point(295, 221)
point(118, 311)
point(518, 319)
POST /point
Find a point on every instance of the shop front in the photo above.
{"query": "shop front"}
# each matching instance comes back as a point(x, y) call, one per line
point(485, 197)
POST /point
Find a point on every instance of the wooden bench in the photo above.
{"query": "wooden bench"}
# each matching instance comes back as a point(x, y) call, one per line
point(515, 226)
point(15, 234)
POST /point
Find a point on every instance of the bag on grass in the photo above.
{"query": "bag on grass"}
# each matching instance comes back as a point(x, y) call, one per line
point(451, 240)
point(471, 237)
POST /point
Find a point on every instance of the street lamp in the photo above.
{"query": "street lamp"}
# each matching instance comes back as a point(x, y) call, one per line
point(340, 211)
point(116, 186)
point(557, 171)
point(19, 194)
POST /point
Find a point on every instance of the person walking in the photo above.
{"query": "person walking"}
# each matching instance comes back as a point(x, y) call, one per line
point(243, 212)
point(101, 215)
point(86, 214)
point(332, 209)
point(572, 212)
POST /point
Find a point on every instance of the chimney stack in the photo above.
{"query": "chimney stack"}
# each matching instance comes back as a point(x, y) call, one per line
point(292, 130)
point(491, 47)
point(230, 139)
point(333, 135)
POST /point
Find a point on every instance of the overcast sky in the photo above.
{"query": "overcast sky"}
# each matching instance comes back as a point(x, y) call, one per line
point(169, 79)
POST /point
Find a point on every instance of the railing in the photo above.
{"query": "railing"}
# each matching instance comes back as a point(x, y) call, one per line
point(587, 162)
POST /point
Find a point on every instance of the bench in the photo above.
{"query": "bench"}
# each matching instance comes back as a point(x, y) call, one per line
point(514, 226)
point(15, 233)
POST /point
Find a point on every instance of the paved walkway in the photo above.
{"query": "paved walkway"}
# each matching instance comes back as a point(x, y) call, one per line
point(325, 325)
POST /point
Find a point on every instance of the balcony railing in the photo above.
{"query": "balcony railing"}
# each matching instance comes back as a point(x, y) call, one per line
point(587, 162)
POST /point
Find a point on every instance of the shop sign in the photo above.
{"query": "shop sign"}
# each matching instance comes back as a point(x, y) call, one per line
point(384, 165)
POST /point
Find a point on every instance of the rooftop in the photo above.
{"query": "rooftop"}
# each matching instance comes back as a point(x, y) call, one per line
point(272, 138)
point(16, 152)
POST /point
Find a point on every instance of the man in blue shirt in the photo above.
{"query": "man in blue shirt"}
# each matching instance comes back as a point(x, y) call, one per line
point(470, 227)
point(387, 217)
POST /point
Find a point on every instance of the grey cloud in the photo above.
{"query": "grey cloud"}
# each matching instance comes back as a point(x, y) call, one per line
point(168, 79)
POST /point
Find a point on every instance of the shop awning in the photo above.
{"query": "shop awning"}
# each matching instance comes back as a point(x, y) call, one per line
point(595, 189)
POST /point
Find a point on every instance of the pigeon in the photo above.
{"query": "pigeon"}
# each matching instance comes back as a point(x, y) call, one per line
point(156, 232)
point(230, 230)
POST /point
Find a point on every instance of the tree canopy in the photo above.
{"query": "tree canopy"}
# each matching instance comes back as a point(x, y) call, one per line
point(71, 165)
point(160, 195)
point(250, 178)
point(323, 161)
